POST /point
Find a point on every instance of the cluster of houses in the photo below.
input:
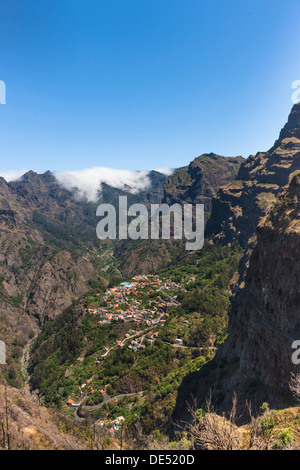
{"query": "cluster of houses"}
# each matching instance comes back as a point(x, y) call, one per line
point(112, 425)
point(142, 341)
point(123, 303)
point(144, 301)
point(86, 389)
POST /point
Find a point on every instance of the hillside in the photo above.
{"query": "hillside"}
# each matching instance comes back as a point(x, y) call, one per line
point(50, 254)
point(48, 258)
point(199, 182)
point(196, 183)
point(24, 425)
point(255, 361)
point(124, 352)
point(264, 344)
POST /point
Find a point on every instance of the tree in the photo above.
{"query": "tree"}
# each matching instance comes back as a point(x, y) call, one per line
point(211, 431)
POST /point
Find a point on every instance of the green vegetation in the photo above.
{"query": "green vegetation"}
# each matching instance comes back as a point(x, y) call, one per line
point(58, 345)
point(76, 357)
point(204, 306)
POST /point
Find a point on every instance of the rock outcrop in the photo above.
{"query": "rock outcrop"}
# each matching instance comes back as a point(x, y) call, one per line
point(264, 320)
point(255, 361)
point(239, 206)
point(200, 181)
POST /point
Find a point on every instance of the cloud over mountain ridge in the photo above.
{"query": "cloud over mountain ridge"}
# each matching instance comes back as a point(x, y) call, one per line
point(87, 182)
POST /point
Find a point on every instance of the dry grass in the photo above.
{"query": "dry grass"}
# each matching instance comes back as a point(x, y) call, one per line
point(26, 426)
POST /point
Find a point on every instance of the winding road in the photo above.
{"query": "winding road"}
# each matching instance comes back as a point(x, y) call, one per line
point(161, 289)
point(104, 402)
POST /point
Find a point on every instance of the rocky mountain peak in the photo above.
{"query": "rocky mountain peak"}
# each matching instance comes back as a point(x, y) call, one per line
point(239, 206)
point(199, 181)
point(264, 318)
point(33, 178)
point(292, 127)
point(30, 176)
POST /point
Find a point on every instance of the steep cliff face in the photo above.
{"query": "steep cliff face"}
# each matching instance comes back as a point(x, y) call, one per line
point(240, 205)
point(198, 182)
point(48, 257)
point(264, 319)
point(255, 361)
point(41, 269)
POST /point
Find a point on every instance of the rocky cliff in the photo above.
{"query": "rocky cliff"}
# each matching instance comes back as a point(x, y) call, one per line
point(47, 258)
point(195, 183)
point(255, 361)
point(239, 206)
point(200, 181)
point(41, 269)
point(264, 320)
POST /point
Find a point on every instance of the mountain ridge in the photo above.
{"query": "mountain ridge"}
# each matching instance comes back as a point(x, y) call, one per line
point(239, 206)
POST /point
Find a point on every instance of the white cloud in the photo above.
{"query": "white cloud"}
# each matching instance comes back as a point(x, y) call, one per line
point(88, 182)
point(12, 175)
point(166, 170)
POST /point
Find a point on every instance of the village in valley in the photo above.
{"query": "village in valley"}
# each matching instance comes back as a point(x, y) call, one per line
point(144, 302)
point(128, 344)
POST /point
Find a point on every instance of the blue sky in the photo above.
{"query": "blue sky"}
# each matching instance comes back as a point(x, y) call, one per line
point(141, 84)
